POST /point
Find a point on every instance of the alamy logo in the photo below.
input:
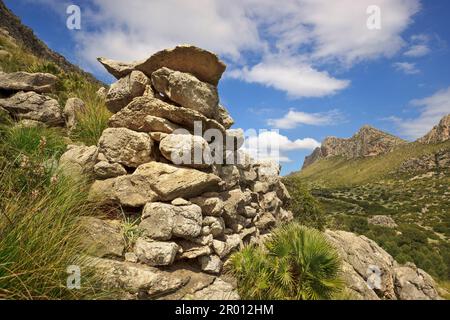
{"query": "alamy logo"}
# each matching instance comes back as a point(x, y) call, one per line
point(74, 278)
point(374, 19)
point(73, 21)
point(374, 277)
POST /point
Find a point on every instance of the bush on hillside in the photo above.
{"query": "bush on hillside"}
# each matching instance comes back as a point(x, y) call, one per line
point(296, 263)
point(305, 207)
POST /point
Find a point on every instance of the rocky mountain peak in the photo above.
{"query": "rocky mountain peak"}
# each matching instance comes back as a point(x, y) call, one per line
point(367, 142)
point(439, 133)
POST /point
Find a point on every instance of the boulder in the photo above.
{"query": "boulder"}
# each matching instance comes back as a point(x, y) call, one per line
point(223, 117)
point(156, 253)
point(157, 124)
point(102, 92)
point(204, 65)
point(134, 116)
point(171, 182)
point(158, 136)
point(116, 68)
point(186, 90)
point(24, 81)
point(210, 264)
point(384, 221)
point(105, 170)
point(230, 175)
point(122, 92)
point(161, 221)
point(103, 237)
point(365, 262)
point(72, 109)
point(234, 139)
point(127, 147)
point(218, 290)
point(185, 149)
point(78, 160)
point(33, 106)
point(412, 283)
point(192, 250)
point(128, 191)
point(211, 205)
point(136, 278)
point(215, 225)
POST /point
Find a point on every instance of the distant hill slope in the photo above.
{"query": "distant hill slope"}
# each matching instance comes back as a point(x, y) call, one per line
point(367, 142)
point(26, 37)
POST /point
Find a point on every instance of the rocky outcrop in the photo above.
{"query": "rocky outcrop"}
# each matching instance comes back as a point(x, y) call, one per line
point(434, 163)
point(33, 106)
point(73, 108)
point(24, 81)
point(192, 214)
point(372, 274)
point(367, 142)
point(384, 221)
point(439, 133)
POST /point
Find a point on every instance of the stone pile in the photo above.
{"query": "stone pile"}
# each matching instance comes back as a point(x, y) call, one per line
point(192, 214)
point(24, 97)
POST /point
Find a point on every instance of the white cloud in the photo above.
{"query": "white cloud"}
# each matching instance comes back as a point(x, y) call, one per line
point(288, 43)
point(297, 79)
point(273, 145)
point(294, 118)
point(432, 109)
point(418, 50)
point(406, 67)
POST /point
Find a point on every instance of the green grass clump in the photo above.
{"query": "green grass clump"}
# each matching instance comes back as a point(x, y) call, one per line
point(297, 263)
point(93, 119)
point(40, 233)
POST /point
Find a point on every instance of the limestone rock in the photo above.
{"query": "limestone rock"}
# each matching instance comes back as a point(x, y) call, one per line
point(191, 250)
point(78, 160)
point(106, 170)
point(161, 221)
point(230, 174)
point(33, 106)
point(203, 64)
point(103, 237)
point(186, 90)
point(234, 139)
point(124, 146)
point(439, 133)
point(223, 117)
point(366, 262)
point(125, 89)
point(24, 81)
point(185, 149)
point(171, 182)
point(367, 142)
point(211, 205)
point(136, 278)
point(218, 290)
point(211, 264)
point(133, 116)
point(156, 253)
point(157, 124)
point(116, 68)
point(102, 92)
point(216, 225)
point(412, 283)
point(158, 136)
point(129, 191)
point(72, 109)
point(384, 221)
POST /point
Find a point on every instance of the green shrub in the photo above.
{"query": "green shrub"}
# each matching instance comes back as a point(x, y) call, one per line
point(305, 207)
point(358, 225)
point(94, 118)
point(297, 263)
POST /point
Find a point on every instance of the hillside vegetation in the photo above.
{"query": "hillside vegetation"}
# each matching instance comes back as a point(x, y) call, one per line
point(351, 192)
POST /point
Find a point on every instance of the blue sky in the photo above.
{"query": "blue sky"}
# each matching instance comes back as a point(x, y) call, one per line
point(309, 68)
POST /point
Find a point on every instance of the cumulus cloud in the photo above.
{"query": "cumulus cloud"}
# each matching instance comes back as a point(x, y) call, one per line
point(288, 44)
point(294, 118)
point(431, 109)
point(406, 67)
point(275, 146)
point(296, 79)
